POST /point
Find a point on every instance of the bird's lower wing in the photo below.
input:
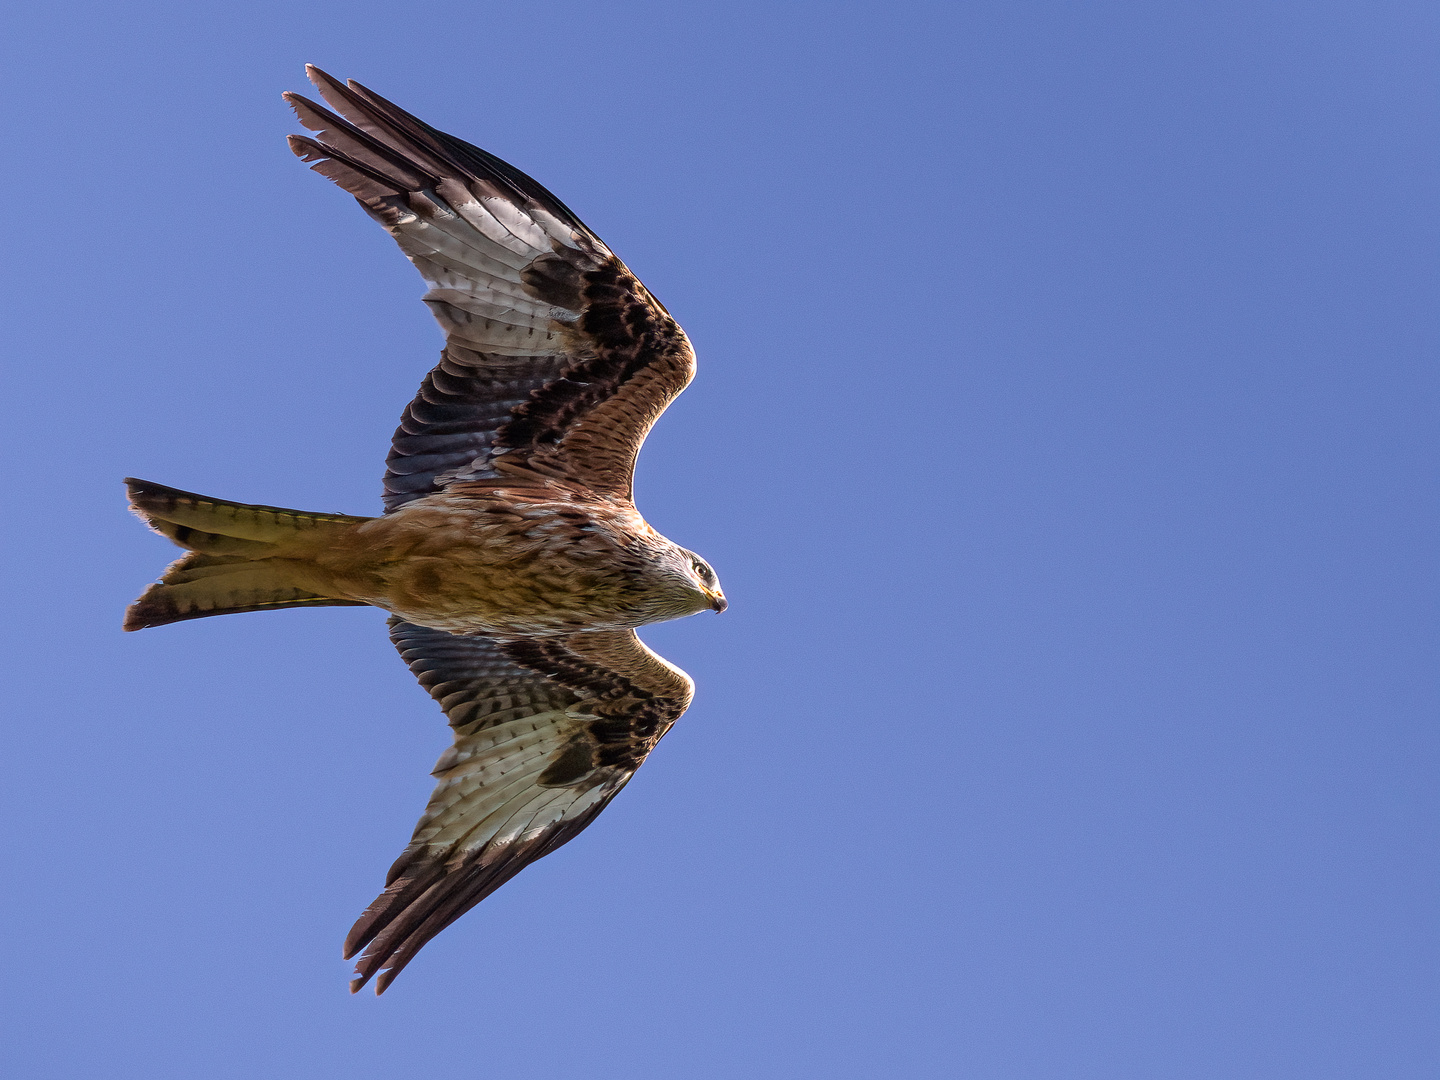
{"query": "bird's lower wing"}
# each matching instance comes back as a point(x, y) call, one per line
point(547, 731)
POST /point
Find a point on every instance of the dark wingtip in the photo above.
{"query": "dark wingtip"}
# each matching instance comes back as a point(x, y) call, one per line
point(322, 80)
point(306, 149)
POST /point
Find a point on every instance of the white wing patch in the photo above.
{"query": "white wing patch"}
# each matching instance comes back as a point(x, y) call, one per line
point(471, 255)
point(488, 790)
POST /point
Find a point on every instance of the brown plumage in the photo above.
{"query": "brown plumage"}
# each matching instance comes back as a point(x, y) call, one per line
point(510, 555)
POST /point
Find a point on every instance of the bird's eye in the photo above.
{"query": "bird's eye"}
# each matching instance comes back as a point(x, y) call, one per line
point(706, 574)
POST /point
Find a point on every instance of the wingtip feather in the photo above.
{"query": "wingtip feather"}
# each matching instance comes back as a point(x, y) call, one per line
point(305, 148)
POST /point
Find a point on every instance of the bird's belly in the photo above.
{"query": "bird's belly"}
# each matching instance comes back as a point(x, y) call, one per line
point(472, 596)
point(509, 625)
point(452, 568)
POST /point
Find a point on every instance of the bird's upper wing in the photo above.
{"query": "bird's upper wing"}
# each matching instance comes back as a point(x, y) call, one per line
point(557, 360)
point(547, 731)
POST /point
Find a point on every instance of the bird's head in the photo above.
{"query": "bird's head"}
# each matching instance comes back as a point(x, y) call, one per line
point(708, 581)
point(688, 586)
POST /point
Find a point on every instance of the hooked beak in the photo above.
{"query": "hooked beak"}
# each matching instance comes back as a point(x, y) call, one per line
point(718, 601)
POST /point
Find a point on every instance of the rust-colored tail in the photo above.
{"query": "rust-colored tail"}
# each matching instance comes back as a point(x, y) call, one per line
point(236, 556)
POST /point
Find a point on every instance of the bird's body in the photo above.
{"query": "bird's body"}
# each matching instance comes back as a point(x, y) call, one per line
point(507, 560)
point(511, 556)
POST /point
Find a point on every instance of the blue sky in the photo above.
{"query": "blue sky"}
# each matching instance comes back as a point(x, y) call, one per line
point(1064, 438)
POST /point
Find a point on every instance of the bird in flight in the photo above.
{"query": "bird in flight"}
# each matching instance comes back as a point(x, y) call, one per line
point(510, 555)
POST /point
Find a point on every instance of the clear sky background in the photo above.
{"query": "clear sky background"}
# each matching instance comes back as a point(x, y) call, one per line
point(1064, 438)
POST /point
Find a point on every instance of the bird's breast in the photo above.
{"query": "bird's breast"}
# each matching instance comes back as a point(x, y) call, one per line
point(494, 566)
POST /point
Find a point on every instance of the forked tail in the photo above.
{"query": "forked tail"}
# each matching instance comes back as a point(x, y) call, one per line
point(237, 556)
